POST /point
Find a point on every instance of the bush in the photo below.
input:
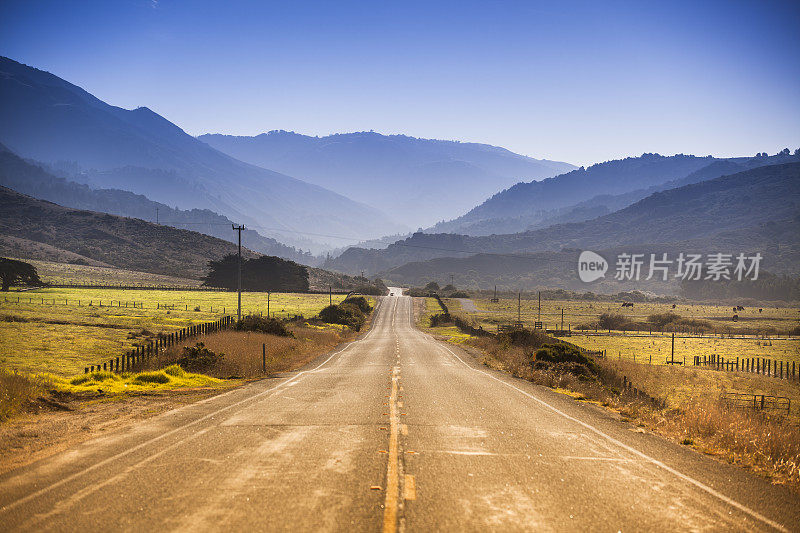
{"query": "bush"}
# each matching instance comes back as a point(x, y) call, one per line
point(152, 377)
point(568, 359)
point(618, 322)
point(662, 319)
point(432, 286)
point(360, 302)
point(269, 325)
point(347, 314)
point(560, 353)
point(370, 290)
point(524, 338)
point(441, 319)
point(198, 358)
point(459, 294)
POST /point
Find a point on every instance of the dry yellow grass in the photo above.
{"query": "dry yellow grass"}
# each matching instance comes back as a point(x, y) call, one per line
point(243, 350)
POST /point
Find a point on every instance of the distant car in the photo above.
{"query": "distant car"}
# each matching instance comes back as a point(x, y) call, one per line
point(391, 294)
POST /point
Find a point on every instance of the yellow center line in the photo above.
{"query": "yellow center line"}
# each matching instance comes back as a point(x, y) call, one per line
point(392, 477)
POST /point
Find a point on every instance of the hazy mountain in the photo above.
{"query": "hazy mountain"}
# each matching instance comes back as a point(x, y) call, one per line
point(38, 229)
point(45, 118)
point(33, 180)
point(702, 210)
point(416, 181)
point(607, 203)
point(778, 242)
point(518, 207)
point(106, 239)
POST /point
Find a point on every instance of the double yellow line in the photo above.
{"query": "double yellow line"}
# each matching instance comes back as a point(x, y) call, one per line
point(392, 474)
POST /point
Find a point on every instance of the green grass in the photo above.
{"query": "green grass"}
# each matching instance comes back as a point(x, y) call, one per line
point(107, 382)
point(658, 347)
point(65, 337)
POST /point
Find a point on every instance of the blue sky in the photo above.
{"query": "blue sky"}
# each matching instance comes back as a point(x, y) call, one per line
point(575, 81)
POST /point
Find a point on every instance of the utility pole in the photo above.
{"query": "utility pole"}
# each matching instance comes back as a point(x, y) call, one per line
point(156, 215)
point(330, 295)
point(673, 349)
point(562, 319)
point(540, 307)
point(519, 308)
point(267, 304)
point(451, 281)
point(239, 277)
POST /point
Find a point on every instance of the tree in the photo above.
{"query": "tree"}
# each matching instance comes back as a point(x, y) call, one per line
point(12, 271)
point(264, 273)
point(432, 286)
point(785, 151)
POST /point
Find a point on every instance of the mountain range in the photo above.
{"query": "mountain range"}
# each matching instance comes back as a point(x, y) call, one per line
point(416, 181)
point(590, 192)
point(34, 180)
point(37, 229)
point(700, 214)
point(47, 119)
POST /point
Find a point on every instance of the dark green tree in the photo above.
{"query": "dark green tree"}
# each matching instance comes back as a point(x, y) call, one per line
point(13, 271)
point(264, 273)
point(432, 286)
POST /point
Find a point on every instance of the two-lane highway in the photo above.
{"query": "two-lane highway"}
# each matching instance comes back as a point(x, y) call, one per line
point(393, 431)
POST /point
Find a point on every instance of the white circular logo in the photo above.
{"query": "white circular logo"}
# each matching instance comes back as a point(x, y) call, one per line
point(591, 266)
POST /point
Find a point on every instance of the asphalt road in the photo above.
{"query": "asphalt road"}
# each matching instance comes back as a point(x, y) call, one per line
point(395, 431)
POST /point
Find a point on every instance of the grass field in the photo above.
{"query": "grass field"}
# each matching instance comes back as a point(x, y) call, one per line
point(655, 347)
point(578, 312)
point(64, 337)
point(66, 273)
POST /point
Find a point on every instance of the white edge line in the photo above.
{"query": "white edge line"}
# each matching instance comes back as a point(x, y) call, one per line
point(684, 477)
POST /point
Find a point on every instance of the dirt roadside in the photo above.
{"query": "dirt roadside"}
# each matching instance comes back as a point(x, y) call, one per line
point(52, 425)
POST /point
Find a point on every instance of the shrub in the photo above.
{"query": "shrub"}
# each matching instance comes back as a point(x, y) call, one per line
point(269, 325)
point(611, 321)
point(524, 338)
point(662, 319)
point(175, 371)
point(441, 319)
point(432, 286)
point(152, 377)
point(459, 294)
point(344, 313)
point(371, 290)
point(567, 358)
point(360, 302)
point(198, 358)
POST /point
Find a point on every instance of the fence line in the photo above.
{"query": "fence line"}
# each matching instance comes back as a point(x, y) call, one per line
point(755, 365)
point(135, 359)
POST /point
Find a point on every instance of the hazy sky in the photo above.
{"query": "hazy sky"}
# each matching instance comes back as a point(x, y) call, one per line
point(575, 81)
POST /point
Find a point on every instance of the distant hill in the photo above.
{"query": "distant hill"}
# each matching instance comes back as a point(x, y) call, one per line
point(703, 210)
point(416, 181)
point(107, 240)
point(38, 229)
point(607, 203)
point(45, 118)
point(28, 178)
point(516, 208)
point(778, 242)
